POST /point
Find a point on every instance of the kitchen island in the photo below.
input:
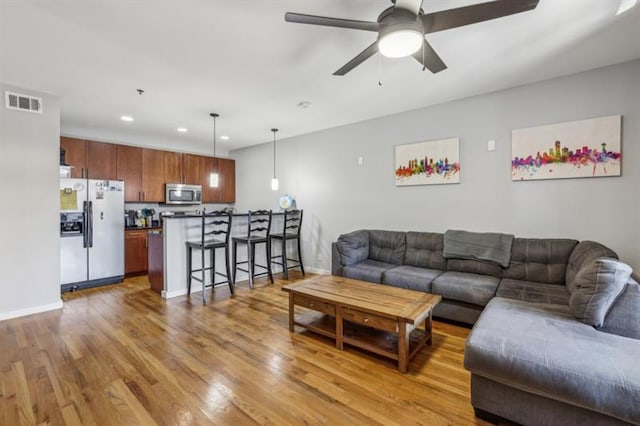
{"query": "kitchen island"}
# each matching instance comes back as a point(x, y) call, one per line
point(178, 229)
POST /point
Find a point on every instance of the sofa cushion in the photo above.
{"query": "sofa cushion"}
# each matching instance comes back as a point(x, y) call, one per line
point(465, 287)
point(474, 267)
point(410, 277)
point(583, 254)
point(539, 260)
point(367, 270)
point(596, 287)
point(387, 246)
point(533, 292)
point(353, 247)
point(424, 249)
point(623, 318)
point(542, 349)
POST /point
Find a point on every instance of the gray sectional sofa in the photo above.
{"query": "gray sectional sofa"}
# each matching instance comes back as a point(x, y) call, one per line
point(556, 329)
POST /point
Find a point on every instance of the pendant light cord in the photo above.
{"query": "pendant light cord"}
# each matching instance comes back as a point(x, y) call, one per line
point(274, 152)
point(214, 115)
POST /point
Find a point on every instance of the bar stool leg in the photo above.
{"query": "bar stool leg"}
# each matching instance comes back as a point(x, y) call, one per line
point(235, 261)
point(213, 268)
point(226, 262)
point(250, 265)
point(300, 257)
point(285, 267)
point(203, 272)
point(268, 244)
point(189, 252)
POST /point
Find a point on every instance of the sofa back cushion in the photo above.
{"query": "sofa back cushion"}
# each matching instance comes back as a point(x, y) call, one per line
point(623, 318)
point(424, 250)
point(387, 246)
point(583, 254)
point(597, 285)
point(353, 247)
point(540, 260)
point(474, 267)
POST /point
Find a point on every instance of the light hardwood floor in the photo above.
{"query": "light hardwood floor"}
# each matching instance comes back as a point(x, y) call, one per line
point(121, 355)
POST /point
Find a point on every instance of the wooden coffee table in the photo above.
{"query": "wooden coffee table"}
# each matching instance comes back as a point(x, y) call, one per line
point(375, 317)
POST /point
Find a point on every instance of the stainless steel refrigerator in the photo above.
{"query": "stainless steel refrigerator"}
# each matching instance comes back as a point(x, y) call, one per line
point(91, 233)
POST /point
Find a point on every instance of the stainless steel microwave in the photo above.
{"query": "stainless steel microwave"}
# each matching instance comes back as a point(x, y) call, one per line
point(178, 193)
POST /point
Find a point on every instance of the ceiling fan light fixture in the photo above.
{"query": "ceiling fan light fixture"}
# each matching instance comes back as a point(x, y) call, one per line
point(401, 43)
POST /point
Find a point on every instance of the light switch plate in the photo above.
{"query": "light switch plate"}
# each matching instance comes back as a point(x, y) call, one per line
point(360, 161)
point(491, 145)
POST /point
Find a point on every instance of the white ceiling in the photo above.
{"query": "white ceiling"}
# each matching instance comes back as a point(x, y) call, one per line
point(240, 58)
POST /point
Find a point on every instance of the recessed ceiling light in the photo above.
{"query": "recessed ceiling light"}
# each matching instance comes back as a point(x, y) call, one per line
point(126, 118)
point(625, 5)
point(224, 137)
point(182, 129)
point(303, 104)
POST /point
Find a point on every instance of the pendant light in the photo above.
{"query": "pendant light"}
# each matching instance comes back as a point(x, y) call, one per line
point(214, 179)
point(274, 181)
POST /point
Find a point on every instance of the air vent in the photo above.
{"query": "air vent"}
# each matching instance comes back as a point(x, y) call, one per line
point(23, 102)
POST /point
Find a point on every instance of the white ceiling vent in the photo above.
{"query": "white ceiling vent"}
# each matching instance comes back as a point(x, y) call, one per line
point(23, 102)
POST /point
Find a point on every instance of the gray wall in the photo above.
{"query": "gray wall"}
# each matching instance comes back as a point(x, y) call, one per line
point(338, 196)
point(29, 220)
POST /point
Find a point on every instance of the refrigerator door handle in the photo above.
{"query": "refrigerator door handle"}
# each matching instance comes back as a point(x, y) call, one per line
point(90, 216)
point(85, 225)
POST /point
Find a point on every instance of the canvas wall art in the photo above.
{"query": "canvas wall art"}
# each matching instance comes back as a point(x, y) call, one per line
point(428, 163)
point(586, 148)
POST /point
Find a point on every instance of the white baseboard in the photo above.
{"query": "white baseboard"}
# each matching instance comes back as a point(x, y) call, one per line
point(318, 271)
point(176, 293)
point(30, 311)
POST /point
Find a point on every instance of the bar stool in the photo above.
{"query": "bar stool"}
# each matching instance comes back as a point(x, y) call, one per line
point(258, 231)
point(290, 231)
point(214, 234)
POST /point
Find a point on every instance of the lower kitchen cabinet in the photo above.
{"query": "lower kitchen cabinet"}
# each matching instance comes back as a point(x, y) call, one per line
point(135, 251)
point(156, 261)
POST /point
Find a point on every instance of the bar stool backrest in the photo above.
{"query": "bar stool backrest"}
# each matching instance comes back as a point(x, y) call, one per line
point(216, 225)
point(259, 223)
point(292, 223)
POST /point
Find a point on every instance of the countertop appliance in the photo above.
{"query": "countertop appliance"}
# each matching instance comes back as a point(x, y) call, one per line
point(91, 233)
point(178, 193)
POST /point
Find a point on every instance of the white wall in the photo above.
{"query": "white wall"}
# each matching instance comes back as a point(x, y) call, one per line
point(338, 196)
point(29, 219)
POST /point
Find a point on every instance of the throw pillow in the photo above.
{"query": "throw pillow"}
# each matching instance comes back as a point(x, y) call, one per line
point(597, 285)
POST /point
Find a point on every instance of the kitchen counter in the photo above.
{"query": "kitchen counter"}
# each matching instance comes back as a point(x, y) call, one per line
point(188, 216)
point(141, 228)
point(176, 232)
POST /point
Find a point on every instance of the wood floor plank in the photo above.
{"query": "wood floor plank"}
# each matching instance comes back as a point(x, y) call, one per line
point(122, 355)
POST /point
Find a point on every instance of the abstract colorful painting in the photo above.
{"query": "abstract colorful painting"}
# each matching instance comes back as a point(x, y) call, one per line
point(428, 163)
point(586, 148)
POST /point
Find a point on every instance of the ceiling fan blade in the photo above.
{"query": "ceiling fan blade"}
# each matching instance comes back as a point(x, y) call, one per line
point(432, 60)
point(412, 6)
point(453, 18)
point(362, 56)
point(331, 22)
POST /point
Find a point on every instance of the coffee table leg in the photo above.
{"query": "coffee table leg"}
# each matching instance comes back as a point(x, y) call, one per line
point(403, 348)
point(291, 313)
point(339, 328)
point(428, 325)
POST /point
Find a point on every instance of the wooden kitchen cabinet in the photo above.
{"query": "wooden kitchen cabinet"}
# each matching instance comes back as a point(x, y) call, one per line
point(209, 194)
point(75, 155)
point(227, 171)
point(172, 167)
point(192, 169)
point(129, 169)
point(135, 251)
point(101, 160)
point(153, 177)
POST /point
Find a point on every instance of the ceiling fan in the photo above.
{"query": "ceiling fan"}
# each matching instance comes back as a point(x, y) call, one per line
point(402, 27)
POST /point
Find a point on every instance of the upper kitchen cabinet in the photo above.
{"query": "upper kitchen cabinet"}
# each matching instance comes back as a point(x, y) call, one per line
point(129, 169)
point(101, 160)
point(89, 159)
point(153, 176)
point(193, 169)
point(172, 162)
point(75, 155)
point(227, 172)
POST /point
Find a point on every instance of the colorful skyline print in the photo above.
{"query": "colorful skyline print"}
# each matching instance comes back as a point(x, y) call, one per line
point(585, 148)
point(428, 163)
